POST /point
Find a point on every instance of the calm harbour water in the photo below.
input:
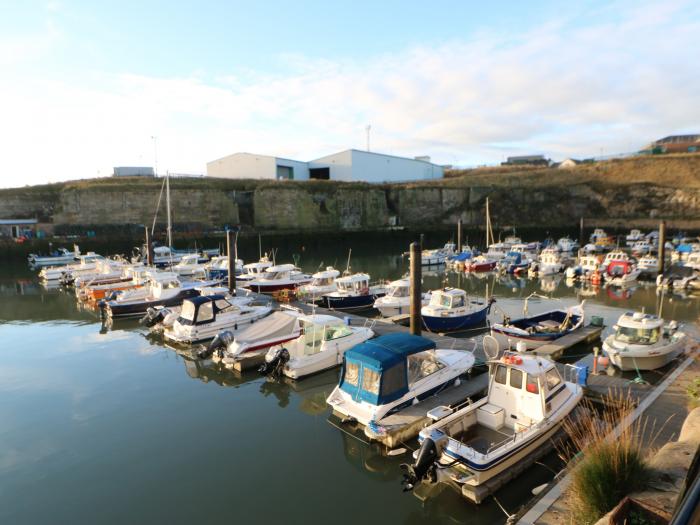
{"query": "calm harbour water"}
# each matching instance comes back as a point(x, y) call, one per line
point(107, 426)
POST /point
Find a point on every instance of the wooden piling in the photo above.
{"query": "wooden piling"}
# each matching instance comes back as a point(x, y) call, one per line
point(230, 252)
point(459, 236)
point(580, 233)
point(662, 246)
point(416, 289)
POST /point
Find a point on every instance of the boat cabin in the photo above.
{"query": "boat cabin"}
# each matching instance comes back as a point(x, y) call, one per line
point(618, 268)
point(616, 255)
point(355, 284)
point(257, 268)
point(384, 369)
point(589, 262)
point(275, 273)
point(400, 288)
point(550, 256)
point(204, 309)
point(315, 330)
point(448, 299)
point(638, 328)
point(188, 260)
point(325, 277)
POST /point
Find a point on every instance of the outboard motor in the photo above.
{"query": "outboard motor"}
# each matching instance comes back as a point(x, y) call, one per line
point(274, 366)
point(219, 344)
point(154, 316)
point(423, 468)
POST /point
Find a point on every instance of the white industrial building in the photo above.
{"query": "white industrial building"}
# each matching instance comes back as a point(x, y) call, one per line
point(348, 165)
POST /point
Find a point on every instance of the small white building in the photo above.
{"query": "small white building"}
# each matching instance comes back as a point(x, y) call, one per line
point(348, 165)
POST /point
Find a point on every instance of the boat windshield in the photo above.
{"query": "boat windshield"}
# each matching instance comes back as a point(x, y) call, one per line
point(421, 365)
point(336, 332)
point(322, 281)
point(641, 336)
point(398, 291)
point(188, 311)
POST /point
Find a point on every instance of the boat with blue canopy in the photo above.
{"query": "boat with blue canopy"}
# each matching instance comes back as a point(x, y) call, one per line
point(385, 375)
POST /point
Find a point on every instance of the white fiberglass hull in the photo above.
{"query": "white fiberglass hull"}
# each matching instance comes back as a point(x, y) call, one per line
point(190, 334)
point(643, 357)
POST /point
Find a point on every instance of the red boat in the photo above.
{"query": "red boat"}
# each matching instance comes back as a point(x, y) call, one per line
point(480, 264)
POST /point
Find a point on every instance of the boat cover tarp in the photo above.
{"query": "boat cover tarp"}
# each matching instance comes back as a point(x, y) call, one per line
point(276, 324)
point(462, 256)
point(678, 271)
point(376, 372)
point(684, 248)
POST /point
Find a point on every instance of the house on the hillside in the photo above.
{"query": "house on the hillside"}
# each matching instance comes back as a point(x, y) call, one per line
point(17, 228)
point(674, 144)
point(348, 165)
point(569, 163)
point(527, 160)
point(133, 171)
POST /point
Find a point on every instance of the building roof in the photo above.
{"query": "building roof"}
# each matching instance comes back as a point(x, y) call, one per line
point(672, 139)
point(14, 222)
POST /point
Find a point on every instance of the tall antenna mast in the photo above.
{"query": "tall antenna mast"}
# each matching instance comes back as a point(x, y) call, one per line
point(167, 195)
point(368, 128)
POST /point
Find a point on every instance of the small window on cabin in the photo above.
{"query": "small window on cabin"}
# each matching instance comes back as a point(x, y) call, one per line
point(352, 373)
point(553, 379)
point(458, 302)
point(370, 381)
point(531, 385)
point(206, 312)
point(516, 378)
point(222, 304)
point(501, 372)
point(394, 379)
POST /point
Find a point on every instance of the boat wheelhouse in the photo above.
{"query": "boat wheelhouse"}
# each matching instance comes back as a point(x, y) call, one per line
point(643, 342)
point(536, 330)
point(648, 263)
point(587, 265)
point(451, 309)
point(202, 317)
point(397, 300)
point(217, 267)
point(255, 269)
point(565, 244)
point(526, 405)
point(621, 273)
point(513, 262)
point(550, 262)
point(322, 282)
point(323, 341)
point(387, 374)
point(615, 255)
point(353, 293)
point(437, 256)
point(633, 237)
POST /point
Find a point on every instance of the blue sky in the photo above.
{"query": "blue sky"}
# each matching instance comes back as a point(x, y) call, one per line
point(86, 84)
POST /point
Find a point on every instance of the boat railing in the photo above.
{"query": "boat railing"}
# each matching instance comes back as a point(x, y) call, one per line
point(369, 323)
point(512, 439)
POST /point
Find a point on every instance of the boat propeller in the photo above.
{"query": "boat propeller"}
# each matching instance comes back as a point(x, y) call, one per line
point(274, 366)
point(423, 468)
point(218, 345)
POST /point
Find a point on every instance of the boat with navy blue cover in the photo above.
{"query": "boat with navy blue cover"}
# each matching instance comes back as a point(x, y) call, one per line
point(387, 374)
point(540, 329)
point(513, 262)
point(451, 309)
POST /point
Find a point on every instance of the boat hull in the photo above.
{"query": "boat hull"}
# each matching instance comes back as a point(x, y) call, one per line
point(137, 308)
point(450, 324)
point(654, 359)
point(357, 302)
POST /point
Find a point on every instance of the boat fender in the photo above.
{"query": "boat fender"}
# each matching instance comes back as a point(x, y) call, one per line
point(218, 344)
point(423, 468)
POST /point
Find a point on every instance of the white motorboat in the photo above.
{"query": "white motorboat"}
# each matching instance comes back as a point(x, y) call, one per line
point(614, 256)
point(275, 329)
point(633, 237)
point(85, 262)
point(642, 247)
point(496, 251)
point(397, 300)
point(437, 256)
point(105, 271)
point(255, 270)
point(189, 266)
point(202, 317)
point(451, 309)
point(587, 265)
point(621, 273)
point(382, 376)
point(601, 239)
point(526, 405)
point(321, 345)
point(277, 278)
point(322, 282)
point(353, 292)
point(643, 342)
point(217, 267)
point(693, 261)
point(58, 257)
point(550, 262)
point(648, 263)
point(567, 245)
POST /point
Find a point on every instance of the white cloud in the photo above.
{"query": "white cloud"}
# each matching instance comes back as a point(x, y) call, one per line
point(572, 86)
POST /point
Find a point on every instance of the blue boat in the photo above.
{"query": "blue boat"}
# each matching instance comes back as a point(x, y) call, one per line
point(353, 293)
point(451, 309)
point(512, 262)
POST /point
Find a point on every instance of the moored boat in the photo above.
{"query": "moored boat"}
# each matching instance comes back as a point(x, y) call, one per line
point(643, 342)
point(526, 405)
point(397, 300)
point(322, 282)
point(277, 278)
point(480, 263)
point(353, 292)
point(451, 309)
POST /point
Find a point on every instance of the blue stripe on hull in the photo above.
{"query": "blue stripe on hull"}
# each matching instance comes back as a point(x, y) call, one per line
point(446, 324)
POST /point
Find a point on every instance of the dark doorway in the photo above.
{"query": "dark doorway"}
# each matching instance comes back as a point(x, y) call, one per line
point(320, 173)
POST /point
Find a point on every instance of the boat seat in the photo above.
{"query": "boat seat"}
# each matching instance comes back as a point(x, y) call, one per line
point(490, 416)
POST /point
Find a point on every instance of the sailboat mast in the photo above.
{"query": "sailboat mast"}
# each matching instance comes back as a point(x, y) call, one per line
point(167, 197)
point(489, 239)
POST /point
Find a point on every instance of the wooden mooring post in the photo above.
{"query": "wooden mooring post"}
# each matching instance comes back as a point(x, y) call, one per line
point(580, 233)
point(459, 236)
point(231, 253)
point(416, 288)
point(149, 248)
point(662, 246)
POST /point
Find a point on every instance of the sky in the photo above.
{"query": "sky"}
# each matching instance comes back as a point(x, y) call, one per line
point(86, 86)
